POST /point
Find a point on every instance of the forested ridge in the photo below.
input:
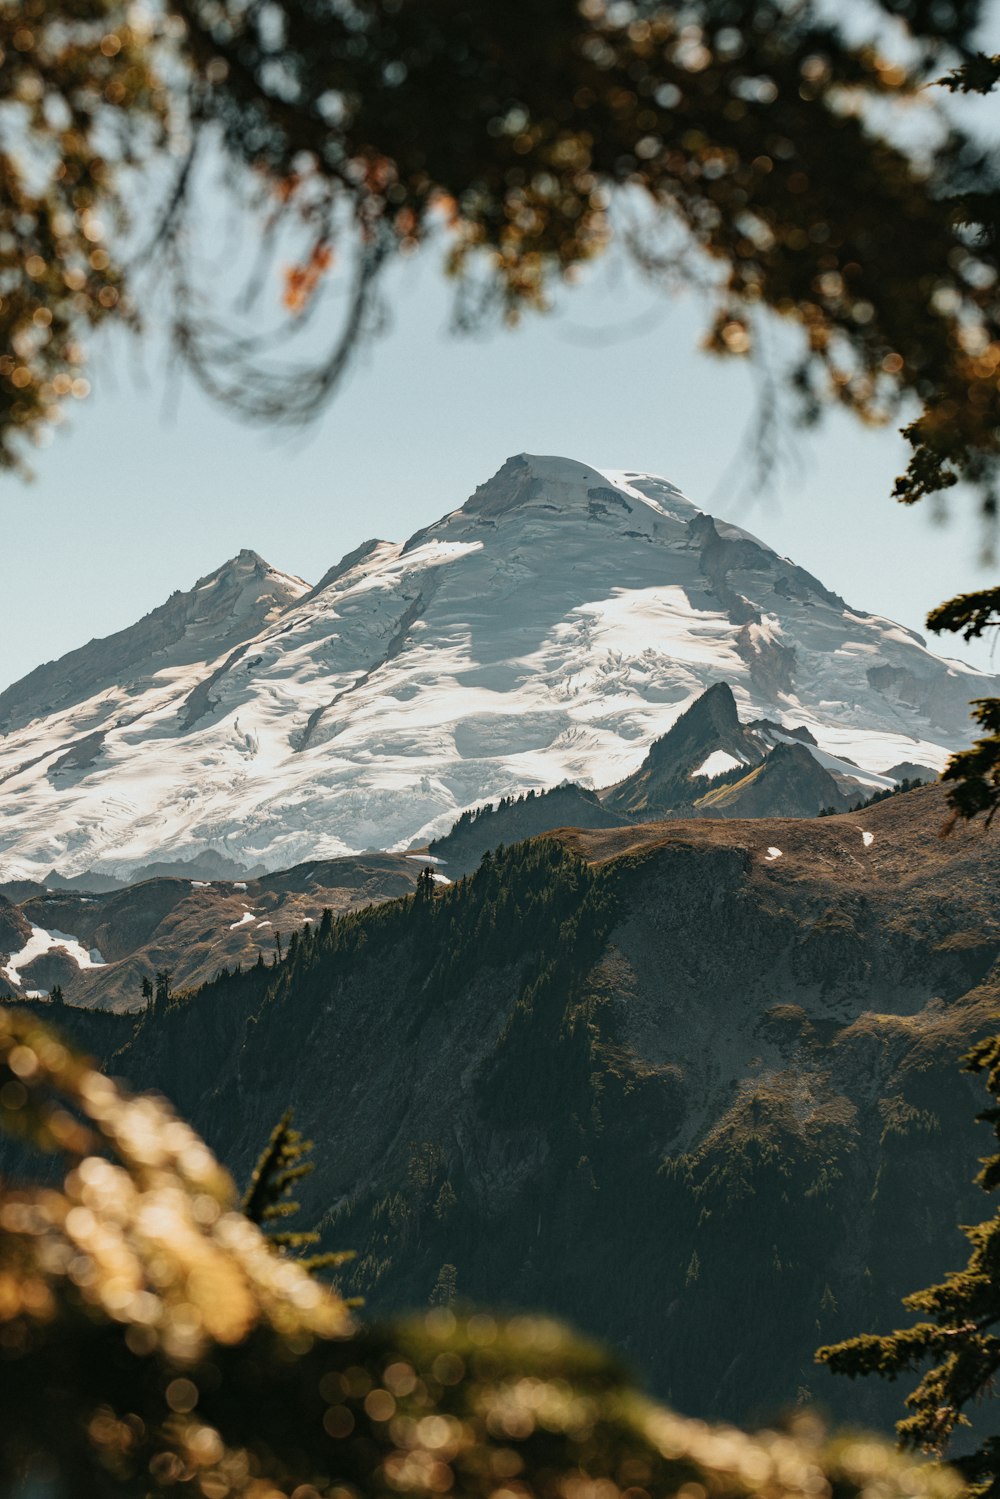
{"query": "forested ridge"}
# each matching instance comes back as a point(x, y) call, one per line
point(691, 1101)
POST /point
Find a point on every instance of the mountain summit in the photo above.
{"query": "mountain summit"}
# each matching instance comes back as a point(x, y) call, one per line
point(221, 610)
point(552, 628)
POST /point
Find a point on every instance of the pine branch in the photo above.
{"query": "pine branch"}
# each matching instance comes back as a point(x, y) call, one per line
point(266, 1200)
point(964, 1355)
point(980, 74)
point(258, 1194)
point(969, 614)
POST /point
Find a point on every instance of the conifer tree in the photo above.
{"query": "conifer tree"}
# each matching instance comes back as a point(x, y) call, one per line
point(958, 1333)
point(161, 999)
point(975, 772)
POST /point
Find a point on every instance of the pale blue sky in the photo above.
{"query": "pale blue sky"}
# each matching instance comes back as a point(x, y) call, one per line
point(147, 490)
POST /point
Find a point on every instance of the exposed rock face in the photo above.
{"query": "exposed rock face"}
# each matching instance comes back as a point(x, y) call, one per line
point(548, 631)
point(789, 783)
point(712, 765)
point(15, 929)
point(665, 779)
point(708, 1105)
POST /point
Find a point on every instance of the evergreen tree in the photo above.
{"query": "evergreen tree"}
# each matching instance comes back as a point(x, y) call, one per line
point(957, 1334)
point(161, 998)
point(56, 995)
point(147, 993)
point(975, 772)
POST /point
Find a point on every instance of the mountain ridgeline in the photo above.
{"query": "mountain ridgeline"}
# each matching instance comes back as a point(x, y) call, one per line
point(552, 629)
point(709, 764)
point(684, 1084)
point(99, 944)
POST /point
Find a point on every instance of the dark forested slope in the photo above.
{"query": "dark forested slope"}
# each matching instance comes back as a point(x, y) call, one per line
point(690, 1085)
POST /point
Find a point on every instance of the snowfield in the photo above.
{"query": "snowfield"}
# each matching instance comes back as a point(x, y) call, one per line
point(548, 630)
point(717, 763)
point(41, 942)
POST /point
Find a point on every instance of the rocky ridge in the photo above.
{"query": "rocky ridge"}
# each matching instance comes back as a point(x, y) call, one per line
point(99, 947)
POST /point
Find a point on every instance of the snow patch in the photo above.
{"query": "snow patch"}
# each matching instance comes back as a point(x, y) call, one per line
point(717, 763)
point(247, 918)
point(868, 839)
point(773, 853)
point(42, 941)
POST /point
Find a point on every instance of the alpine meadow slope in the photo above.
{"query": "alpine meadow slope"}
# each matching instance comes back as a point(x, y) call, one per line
point(549, 630)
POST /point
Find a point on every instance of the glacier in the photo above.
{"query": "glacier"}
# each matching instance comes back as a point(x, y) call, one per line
point(547, 630)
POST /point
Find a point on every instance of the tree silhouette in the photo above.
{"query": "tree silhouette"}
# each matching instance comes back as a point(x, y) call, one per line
point(161, 998)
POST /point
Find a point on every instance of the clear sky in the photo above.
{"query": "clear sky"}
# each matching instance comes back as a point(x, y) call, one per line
point(150, 486)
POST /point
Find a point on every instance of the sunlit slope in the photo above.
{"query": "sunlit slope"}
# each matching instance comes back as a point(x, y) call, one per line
point(550, 629)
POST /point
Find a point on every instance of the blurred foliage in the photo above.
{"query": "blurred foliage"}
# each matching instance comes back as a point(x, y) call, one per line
point(975, 771)
point(958, 1340)
point(753, 138)
point(152, 1342)
point(79, 103)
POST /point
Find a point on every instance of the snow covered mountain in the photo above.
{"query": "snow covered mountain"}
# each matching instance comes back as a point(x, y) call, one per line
point(551, 629)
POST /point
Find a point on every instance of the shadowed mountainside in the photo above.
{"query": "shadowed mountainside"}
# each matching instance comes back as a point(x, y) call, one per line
point(691, 1085)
